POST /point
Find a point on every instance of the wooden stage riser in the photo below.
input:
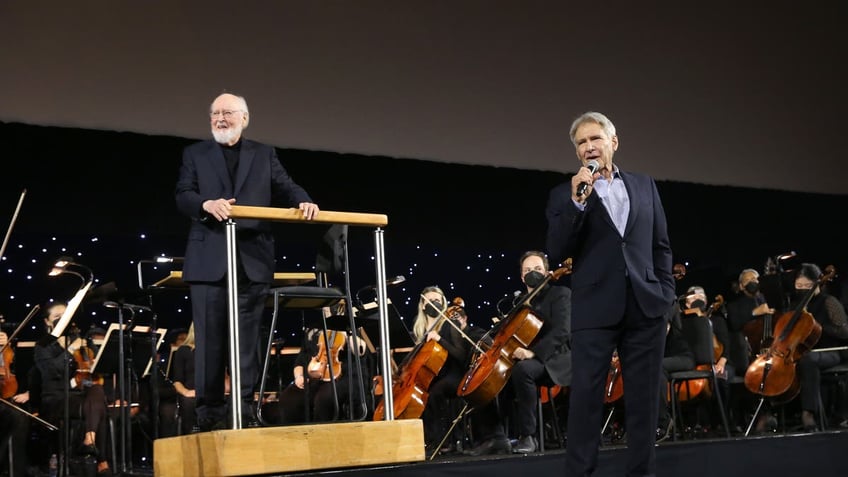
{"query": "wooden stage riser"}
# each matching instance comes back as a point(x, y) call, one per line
point(268, 450)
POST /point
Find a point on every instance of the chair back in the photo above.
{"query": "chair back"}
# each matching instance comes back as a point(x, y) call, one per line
point(698, 332)
point(332, 252)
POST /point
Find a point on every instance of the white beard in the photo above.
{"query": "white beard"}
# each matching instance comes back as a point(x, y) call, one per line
point(226, 136)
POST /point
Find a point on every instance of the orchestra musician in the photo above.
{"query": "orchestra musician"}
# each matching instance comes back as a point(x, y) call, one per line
point(749, 308)
point(53, 357)
point(182, 372)
point(677, 357)
point(431, 325)
point(15, 424)
point(829, 312)
point(696, 304)
point(546, 362)
point(322, 377)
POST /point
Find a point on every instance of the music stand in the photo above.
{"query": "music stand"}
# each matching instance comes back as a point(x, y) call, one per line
point(399, 335)
point(118, 356)
point(137, 344)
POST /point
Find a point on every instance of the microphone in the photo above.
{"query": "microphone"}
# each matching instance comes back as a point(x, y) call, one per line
point(593, 167)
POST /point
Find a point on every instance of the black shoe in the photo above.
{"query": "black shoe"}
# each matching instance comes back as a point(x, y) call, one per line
point(495, 445)
point(525, 445)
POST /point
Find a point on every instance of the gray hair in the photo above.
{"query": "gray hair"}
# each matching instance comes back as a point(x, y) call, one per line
point(592, 117)
point(748, 270)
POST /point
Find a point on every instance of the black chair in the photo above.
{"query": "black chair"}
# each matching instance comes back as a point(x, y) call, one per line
point(698, 332)
point(332, 260)
point(837, 379)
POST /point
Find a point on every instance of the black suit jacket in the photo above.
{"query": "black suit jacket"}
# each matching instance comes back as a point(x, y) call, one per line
point(601, 256)
point(260, 181)
point(553, 343)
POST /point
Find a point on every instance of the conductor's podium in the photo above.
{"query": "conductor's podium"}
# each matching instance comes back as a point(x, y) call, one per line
point(269, 450)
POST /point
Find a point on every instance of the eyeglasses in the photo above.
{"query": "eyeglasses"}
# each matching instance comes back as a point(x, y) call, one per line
point(227, 114)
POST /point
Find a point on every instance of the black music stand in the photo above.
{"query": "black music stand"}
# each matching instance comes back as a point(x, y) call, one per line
point(126, 349)
point(137, 342)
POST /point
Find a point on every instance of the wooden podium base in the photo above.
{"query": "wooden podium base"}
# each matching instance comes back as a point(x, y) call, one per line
point(267, 450)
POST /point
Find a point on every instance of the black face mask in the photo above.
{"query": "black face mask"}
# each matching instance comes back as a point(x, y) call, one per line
point(752, 287)
point(699, 304)
point(431, 310)
point(800, 293)
point(533, 278)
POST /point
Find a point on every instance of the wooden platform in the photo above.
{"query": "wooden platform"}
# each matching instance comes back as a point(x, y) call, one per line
point(268, 450)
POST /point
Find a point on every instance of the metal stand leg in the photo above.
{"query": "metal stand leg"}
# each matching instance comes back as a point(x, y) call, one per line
point(754, 417)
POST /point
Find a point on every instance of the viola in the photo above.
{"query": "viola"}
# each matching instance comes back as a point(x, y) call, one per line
point(491, 368)
point(772, 374)
point(411, 383)
point(327, 361)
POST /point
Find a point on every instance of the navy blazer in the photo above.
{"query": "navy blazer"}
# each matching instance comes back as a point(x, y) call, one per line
point(260, 181)
point(601, 258)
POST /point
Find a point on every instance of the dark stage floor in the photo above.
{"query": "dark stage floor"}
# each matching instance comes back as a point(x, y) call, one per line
point(819, 454)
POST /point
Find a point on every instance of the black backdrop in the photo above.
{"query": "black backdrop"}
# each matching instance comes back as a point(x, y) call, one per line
point(107, 198)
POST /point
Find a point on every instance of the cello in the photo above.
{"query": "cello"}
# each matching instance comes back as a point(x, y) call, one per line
point(614, 389)
point(772, 374)
point(490, 369)
point(416, 372)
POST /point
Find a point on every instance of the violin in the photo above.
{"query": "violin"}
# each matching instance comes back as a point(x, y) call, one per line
point(411, 384)
point(772, 374)
point(84, 357)
point(327, 361)
point(491, 368)
point(8, 381)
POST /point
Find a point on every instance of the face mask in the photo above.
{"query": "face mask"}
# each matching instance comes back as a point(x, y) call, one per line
point(752, 287)
point(431, 310)
point(533, 279)
point(699, 304)
point(800, 293)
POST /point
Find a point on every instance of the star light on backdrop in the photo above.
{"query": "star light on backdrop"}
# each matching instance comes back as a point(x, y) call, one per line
point(481, 278)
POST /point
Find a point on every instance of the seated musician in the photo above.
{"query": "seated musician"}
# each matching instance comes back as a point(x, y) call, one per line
point(53, 357)
point(745, 311)
point(828, 311)
point(13, 423)
point(678, 357)
point(322, 377)
point(546, 362)
point(431, 324)
point(182, 373)
point(695, 304)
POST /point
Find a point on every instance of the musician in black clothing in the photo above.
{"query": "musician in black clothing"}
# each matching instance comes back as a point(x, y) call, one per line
point(15, 424)
point(53, 358)
point(830, 314)
point(748, 308)
point(678, 356)
point(547, 361)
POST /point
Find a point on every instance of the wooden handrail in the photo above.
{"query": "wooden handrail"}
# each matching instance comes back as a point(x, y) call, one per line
point(295, 215)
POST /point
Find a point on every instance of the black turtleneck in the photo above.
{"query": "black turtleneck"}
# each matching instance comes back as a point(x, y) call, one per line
point(231, 156)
